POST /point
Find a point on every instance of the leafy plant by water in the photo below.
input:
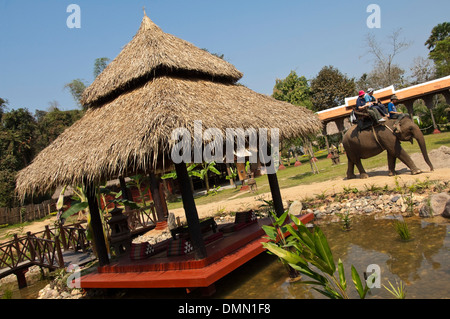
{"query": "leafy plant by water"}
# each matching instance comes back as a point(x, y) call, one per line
point(402, 229)
point(309, 253)
point(275, 234)
point(345, 220)
point(399, 291)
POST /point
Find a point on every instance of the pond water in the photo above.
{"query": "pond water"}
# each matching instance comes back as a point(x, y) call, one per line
point(421, 263)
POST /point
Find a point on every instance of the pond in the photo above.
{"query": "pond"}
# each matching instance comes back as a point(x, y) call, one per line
point(421, 263)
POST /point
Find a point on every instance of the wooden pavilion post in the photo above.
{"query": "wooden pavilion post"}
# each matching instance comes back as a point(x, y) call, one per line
point(125, 192)
point(190, 211)
point(276, 194)
point(96, 225)
point(156, 196)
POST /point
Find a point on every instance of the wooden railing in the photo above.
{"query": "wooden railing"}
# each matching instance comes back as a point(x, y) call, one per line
point(46, 248)
point(43, 248)
point(139, 220)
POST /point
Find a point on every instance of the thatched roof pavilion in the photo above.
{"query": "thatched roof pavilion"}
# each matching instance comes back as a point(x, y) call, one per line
point(156, 84)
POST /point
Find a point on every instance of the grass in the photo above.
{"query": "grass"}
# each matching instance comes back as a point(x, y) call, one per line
point(402, 229)
point(399, 291)
point(302, 175)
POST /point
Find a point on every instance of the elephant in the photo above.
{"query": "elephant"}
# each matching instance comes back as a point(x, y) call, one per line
point(362, 144)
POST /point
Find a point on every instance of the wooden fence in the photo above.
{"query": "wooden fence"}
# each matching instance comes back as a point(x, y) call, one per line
point(26, 213)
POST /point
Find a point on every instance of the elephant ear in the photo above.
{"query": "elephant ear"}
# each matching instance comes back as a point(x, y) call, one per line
point(397, 128)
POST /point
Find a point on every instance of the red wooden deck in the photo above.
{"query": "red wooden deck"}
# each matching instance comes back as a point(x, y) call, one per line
point(224, 255)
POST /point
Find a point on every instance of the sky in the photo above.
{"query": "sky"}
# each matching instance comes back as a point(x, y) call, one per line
point(264, 39)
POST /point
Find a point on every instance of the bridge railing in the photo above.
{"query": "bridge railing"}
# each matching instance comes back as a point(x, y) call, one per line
point(45, 248)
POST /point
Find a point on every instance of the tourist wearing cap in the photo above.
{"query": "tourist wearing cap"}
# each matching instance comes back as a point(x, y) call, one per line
point(393, 114)
point(375, 103)
point(362, 104)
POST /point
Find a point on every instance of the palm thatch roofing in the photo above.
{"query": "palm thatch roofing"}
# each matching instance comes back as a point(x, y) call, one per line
point(156, 84)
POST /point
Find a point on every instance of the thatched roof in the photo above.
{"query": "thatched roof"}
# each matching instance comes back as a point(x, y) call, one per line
point(133, 131)
point(151, 53)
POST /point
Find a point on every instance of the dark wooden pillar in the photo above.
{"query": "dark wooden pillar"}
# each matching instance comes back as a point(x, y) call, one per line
point(156, 196)
point(125, 192)
point(276, 194)
point(96, 225)
point(191, 211)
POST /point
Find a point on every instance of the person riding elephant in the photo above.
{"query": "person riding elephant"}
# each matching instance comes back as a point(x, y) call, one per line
point(362, 104)
point(375, 103)
point(392, 109)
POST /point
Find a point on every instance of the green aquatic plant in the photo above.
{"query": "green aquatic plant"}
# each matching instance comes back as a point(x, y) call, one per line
point(399, 291)
point(345, 220)
point(402, 229)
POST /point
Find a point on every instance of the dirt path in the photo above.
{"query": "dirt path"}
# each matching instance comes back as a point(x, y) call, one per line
point(379, 177)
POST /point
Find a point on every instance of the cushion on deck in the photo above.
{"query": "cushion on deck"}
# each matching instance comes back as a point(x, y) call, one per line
point(140, 251)
point(179, 247)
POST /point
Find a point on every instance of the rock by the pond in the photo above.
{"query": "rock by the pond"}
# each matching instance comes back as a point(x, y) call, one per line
point(425, 210)
point(446, 212)
point(296, 208)
point(438, 204)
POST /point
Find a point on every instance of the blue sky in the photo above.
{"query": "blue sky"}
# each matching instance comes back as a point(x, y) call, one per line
point(264, 39)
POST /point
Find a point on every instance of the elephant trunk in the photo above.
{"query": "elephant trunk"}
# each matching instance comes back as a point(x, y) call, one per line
point(423, 148)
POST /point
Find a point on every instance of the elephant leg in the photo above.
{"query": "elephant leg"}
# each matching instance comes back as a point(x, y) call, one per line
point(362, 172)
point(350, 169)
point(391, 164)
point(406, 159)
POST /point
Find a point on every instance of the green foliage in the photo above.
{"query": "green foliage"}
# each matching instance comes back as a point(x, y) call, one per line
point(202, 173)
point(438, 33)
point(309, 253)
point(402, 229)
point(399, 291)
point(293, 89)
point(137, 181)
point(441, 57)
point(330, 88)
point(76, 88)
point(345, 220)
point(439, 45)
point(99, 65)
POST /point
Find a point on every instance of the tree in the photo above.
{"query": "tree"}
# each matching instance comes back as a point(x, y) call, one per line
point(438, 33)
point(17, 136)
point(293, 89)
point(3, 105)
point(441, 57)
point(330, 88)
point(386, 72)
point(16, 150)
point(99, 65)
point(76, 88)
point(422, 70)
point(379, 77)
